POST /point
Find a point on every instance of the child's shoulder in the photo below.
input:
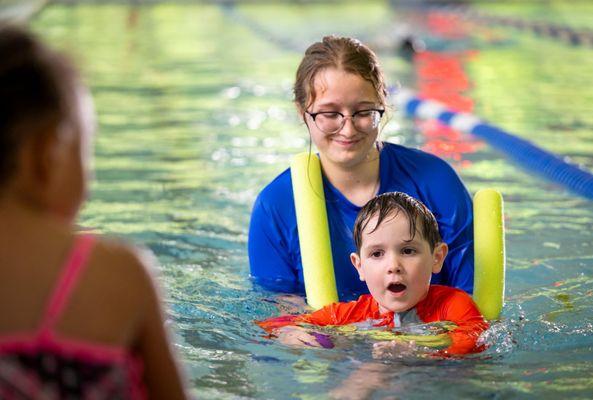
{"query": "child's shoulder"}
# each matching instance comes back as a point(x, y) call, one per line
point(441, 294)
point(117, 260)
point(119, 252)
point(449, 303)
point(443, 290)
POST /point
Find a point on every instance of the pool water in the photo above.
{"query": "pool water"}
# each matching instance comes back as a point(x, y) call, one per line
point(195, 116)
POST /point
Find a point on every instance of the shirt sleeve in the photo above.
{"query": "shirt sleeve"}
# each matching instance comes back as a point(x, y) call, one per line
point(460, 309)
point(270, 263)
point(332, 314)
point(322, 317)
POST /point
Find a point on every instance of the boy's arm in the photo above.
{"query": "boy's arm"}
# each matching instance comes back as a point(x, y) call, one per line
point(322, 317)
point(332, 314)
point(287, 331)
point(460, 309)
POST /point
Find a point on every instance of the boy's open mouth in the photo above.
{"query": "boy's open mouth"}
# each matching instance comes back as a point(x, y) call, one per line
point(396, 287)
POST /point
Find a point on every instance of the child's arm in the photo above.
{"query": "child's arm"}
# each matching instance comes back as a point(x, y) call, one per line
point(297, 336)
point(460, 309)
point(287, 330)
point(161, 372)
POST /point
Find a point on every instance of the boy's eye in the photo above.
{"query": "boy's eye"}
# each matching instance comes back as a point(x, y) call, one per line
point(408, 251)
point(376, 253)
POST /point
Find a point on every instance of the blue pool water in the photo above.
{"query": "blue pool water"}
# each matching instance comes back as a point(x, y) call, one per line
point(195, 116)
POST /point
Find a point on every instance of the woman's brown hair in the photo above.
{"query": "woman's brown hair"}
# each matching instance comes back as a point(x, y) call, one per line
point(343, 53)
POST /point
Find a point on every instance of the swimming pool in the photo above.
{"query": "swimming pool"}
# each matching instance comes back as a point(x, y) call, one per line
point(195, 117)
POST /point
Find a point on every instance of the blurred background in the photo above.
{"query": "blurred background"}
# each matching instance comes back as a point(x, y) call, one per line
point(196, 116)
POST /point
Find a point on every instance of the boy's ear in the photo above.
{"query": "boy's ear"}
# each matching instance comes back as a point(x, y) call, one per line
point(355, 259)
point(439, 254)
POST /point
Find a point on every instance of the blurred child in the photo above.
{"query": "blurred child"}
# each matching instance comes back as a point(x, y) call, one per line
point(80, 315)
point(398, 248)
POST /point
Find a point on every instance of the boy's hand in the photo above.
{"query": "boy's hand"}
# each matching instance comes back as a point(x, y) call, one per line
point(394, 349)
point(296, 336)
point(291, 304)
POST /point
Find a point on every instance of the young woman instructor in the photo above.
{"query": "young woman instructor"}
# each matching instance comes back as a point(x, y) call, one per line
point(340, 93)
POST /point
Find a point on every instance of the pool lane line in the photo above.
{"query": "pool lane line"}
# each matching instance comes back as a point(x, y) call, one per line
point(230, 10)
point(572, 36)
point(521, 151)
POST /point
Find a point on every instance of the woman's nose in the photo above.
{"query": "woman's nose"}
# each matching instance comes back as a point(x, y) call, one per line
point(348, 129)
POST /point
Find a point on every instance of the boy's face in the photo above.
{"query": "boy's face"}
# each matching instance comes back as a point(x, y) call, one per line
point(396, 268)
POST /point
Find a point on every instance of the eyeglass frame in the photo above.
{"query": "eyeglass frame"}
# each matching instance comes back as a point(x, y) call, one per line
point(344, 117)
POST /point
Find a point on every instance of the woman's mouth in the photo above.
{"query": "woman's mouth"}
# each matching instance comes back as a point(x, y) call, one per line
point(345, 142)
point(396, 288)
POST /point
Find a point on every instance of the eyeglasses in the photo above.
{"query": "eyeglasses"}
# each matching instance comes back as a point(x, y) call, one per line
point(333, 121)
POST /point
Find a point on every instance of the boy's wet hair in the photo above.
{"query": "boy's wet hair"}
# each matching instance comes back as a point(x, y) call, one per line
point(391, 204)
point(38, 93)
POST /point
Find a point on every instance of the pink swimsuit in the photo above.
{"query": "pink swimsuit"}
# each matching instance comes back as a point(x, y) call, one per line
point(45, 365)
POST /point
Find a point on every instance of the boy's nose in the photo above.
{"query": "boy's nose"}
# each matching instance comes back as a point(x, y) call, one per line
point(395, 267)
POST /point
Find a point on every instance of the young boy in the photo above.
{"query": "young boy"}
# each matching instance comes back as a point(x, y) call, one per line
point(398, 248)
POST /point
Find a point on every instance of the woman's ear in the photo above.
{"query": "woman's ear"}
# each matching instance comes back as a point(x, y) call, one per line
point(355, 259)
point(439, 253)
point(300, 112)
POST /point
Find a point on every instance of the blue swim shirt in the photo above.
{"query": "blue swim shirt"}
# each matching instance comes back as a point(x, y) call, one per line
point(273, 244)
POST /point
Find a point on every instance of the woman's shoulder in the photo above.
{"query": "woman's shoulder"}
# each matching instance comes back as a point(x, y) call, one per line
point(427, 170)
point(412, 156)
point(280, 186)
point(276, 195)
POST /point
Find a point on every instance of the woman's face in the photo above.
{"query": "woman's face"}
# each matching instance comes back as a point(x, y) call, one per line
point(347, 93)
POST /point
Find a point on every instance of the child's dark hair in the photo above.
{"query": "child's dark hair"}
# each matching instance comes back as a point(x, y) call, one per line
point(37, 93)
point(392, 203)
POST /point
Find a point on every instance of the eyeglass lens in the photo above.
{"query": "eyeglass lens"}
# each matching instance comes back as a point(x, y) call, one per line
point(364, 121)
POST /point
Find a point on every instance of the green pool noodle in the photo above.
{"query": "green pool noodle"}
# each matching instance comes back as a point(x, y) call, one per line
point(316, 256)
point(489, 253)
point(313, 228)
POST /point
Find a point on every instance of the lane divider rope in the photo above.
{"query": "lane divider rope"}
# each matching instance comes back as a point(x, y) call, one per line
point(521, 151)
point(569, 35)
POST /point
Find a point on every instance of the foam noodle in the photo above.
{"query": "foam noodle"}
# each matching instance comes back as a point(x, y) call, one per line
point(316, 255)
point(489, 268)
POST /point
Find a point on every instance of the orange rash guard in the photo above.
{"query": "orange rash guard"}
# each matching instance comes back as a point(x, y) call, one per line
point(442, 303)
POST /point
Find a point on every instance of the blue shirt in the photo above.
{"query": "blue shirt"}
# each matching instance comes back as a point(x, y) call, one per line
point(274, 252)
